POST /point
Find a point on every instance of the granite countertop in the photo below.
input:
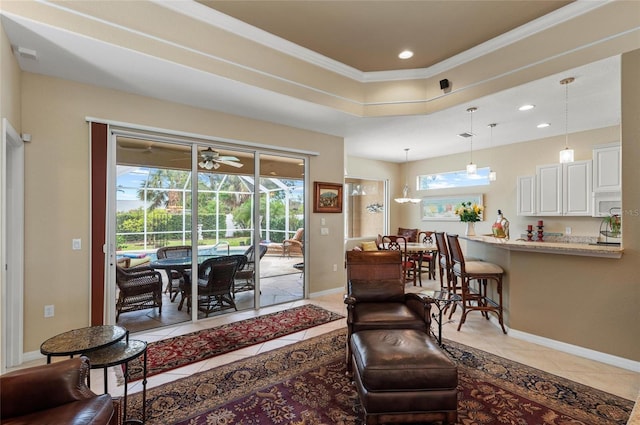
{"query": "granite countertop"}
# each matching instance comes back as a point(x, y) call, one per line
point(551, 247)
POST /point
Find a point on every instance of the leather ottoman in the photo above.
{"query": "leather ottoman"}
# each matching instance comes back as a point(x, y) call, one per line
point(402, 375)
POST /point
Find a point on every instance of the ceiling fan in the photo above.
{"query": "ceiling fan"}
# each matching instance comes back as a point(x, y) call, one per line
point(211, 160)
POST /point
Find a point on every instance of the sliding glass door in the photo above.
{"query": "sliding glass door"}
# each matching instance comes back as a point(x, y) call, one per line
point(158, 220)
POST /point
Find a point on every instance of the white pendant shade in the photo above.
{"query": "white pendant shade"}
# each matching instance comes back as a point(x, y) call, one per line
point(405, 190)
point(566, 155)
point(472, 168)
point(405, 197)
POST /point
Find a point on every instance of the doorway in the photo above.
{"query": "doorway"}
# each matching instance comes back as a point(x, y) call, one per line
point(12, 246)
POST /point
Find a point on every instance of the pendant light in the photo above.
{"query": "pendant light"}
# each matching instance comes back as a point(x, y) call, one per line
point(566, 155)
point(405, 190)
point(492, 174)
point(471, 168)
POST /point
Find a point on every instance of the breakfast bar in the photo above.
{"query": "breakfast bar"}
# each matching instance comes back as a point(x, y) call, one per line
point(553, 290)
point(551, 247)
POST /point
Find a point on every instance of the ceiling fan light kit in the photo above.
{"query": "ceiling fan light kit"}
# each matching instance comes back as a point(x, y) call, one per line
point(211, 160)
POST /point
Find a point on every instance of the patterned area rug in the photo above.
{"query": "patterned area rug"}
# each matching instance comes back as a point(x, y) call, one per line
point(305, 383)
point(185, 349)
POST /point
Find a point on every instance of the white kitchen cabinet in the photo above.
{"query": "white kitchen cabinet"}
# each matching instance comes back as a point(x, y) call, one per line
point(549, 189)
point(607, 168)
point(526, 195)
point(564, 189)
point(576, 188)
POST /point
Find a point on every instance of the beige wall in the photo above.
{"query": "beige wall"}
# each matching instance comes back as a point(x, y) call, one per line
point(57, 189)
point(583, 301)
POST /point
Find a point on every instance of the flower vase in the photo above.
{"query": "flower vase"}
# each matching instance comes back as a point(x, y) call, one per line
point(471, 229)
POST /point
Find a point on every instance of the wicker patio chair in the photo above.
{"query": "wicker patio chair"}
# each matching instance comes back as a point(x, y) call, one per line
point(215, 283)
point(175, 277)
point(245, 276)
point(139, 288)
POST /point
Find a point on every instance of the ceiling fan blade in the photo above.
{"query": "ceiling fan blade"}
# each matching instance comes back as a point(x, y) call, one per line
point(230, 163)
point(228, 158)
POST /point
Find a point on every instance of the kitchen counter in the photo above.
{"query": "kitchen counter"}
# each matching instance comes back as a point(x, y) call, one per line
point(564, 248)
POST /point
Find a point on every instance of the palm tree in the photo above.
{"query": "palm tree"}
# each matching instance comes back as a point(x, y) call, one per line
point(163, 188)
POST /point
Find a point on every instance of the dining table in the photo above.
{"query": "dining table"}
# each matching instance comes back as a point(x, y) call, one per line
point(182, 265)
point(419, 248)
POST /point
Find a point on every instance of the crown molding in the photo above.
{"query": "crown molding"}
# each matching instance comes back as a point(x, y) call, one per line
point(217, 19)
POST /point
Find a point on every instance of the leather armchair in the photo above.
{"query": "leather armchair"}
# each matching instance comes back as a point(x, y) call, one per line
point(376, 298)
point(55, 393)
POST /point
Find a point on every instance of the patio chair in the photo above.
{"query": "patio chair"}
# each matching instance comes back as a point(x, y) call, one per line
point(296, 243)
point(245, 276)
point(215, 283)
point(175, 277)
point(139, 288)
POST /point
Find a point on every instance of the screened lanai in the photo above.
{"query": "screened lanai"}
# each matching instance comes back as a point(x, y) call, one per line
point(236, 210)
point(154, 208)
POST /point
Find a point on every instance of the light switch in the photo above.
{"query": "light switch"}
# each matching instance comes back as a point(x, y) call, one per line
point(76, 244)
point(323, 221)
point(324, 231)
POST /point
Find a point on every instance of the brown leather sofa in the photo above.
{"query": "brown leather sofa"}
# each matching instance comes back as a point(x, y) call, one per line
point(51, 394)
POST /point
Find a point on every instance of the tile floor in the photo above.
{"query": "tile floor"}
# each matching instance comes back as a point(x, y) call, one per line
point(476, 332)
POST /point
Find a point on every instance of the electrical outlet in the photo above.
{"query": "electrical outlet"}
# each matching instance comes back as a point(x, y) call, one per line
point(49, 310)
point(335, 267)
point(567, 230)
point(76, 244)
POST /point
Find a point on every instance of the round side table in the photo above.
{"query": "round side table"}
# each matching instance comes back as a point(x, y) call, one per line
point(82, 341)
point(121, 353)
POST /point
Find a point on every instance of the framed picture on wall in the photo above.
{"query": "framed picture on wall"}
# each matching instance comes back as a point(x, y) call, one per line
point(443, 208)
point(327, 197)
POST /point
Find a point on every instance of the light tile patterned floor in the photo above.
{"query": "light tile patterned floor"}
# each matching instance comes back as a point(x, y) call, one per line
point(476, 332)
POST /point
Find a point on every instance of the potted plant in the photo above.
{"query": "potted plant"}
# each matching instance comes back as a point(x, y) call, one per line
point(614, 225)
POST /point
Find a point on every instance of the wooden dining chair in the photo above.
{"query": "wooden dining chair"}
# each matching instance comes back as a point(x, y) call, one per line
point(409, 265)
point(426, 259)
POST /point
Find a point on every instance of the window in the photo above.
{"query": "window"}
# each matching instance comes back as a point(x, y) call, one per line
point(454, 179)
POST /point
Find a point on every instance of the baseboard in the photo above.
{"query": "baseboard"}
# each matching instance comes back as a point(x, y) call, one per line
point(609, 359)
point(32, 356)
point(340, 290)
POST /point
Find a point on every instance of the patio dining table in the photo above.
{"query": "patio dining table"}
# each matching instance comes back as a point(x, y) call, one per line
point(182, 265)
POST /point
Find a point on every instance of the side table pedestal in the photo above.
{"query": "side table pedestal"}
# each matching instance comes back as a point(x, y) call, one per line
point(121, 353)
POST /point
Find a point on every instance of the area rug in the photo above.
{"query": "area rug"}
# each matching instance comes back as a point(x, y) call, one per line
point(305, 383)
point(193, 347)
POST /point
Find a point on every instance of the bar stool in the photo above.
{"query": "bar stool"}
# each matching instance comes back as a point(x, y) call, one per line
point(480, 271)
point(443, 259)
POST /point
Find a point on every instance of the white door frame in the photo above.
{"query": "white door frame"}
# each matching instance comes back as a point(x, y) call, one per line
point(11, 247)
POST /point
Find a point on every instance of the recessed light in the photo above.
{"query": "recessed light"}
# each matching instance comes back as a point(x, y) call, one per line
point(405, 54)
point(543, 125)
point(526, 107)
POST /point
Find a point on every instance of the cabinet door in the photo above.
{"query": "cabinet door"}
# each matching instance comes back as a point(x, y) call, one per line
point(526, 195)
point(576, 188)
point(607, 171)
point(549, 189)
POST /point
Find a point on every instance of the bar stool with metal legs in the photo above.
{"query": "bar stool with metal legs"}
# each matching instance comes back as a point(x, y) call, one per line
point(480, 271)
